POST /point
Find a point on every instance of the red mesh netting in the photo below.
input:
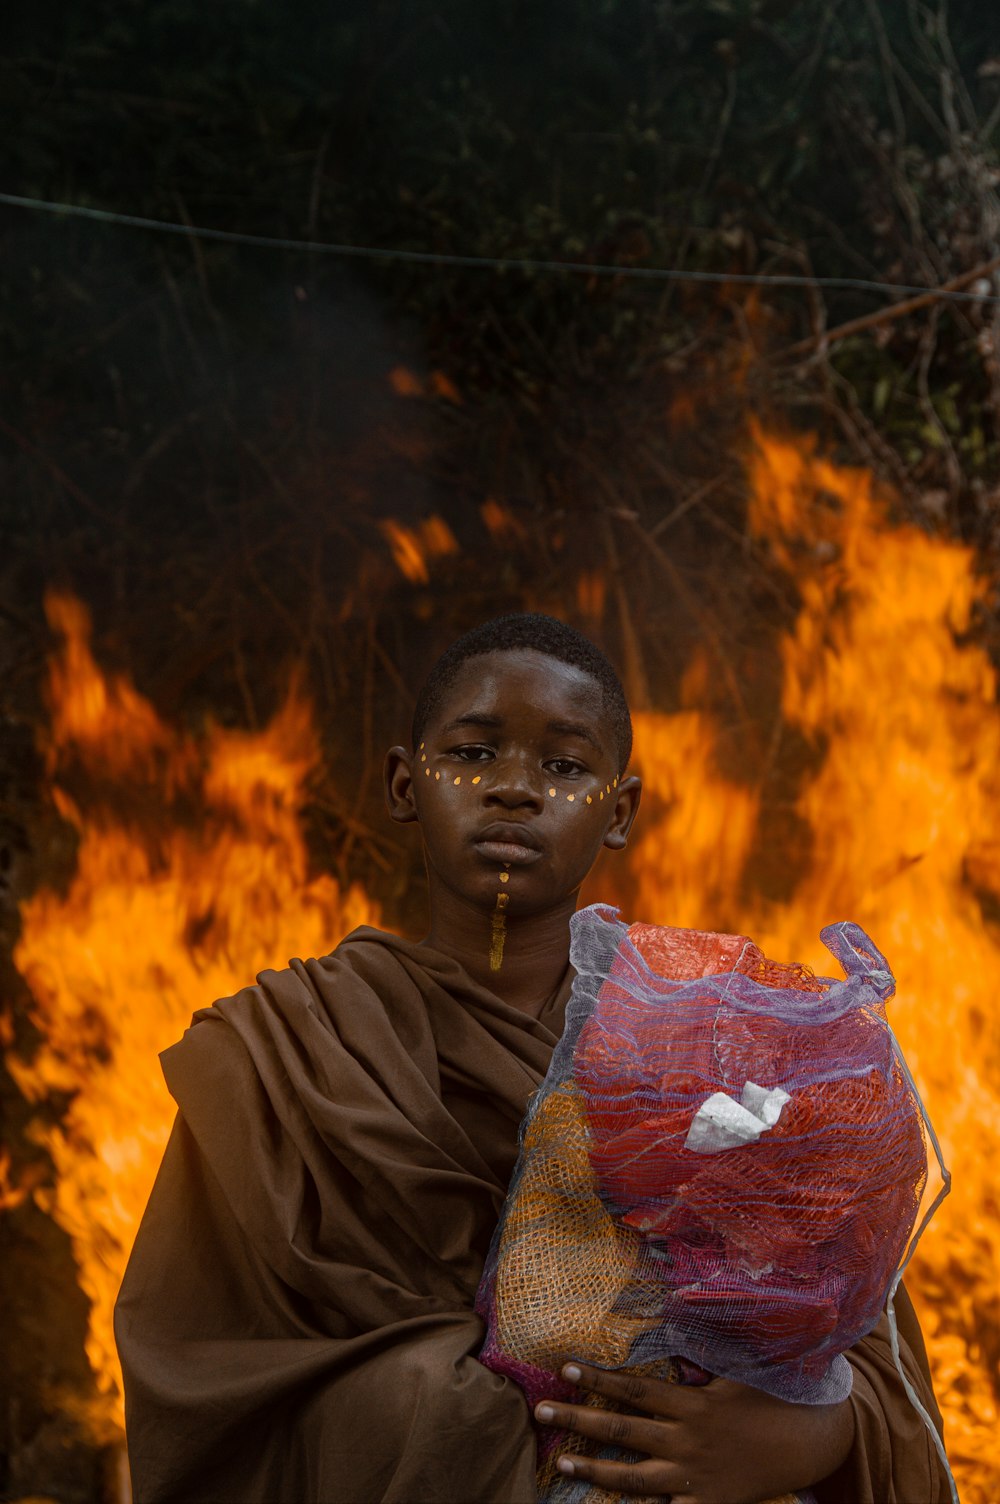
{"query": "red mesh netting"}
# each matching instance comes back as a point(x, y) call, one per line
point(721, 1171)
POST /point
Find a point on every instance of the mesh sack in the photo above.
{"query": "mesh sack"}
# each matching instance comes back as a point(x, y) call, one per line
point(720, 1174)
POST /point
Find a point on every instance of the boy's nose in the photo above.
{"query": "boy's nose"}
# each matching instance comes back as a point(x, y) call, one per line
point(514, 784)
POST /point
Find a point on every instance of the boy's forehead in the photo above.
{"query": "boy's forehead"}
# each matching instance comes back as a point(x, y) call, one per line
point(504, 685)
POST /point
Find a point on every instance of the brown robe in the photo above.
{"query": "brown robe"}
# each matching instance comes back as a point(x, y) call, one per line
point(296, 1324)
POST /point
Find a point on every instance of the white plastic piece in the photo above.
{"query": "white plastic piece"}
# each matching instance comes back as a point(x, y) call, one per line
point(764, 1102)
point(723, 1123)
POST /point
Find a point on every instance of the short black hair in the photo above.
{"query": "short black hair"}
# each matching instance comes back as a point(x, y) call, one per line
point(541, 634)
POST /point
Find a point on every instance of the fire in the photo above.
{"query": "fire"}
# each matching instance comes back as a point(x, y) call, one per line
point(406, 383)
point(903, 803)
point(905, 816)
point(414, 548)
point(697, 829)
point(499, 521)
point(442, 385)
point(908, 792)
point(167, 910)
point(99, 718)
point(591, 593)
point(13, 1193)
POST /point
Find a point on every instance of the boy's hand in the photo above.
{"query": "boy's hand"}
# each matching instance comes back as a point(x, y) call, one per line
point(717, 1443)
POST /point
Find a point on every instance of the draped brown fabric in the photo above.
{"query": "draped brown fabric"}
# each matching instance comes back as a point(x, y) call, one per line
point(296, 1322)
point(894, 1460)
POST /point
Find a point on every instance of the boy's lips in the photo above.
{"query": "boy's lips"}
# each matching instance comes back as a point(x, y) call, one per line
point(508, 841)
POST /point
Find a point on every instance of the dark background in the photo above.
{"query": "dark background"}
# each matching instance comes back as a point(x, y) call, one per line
point(201, 440)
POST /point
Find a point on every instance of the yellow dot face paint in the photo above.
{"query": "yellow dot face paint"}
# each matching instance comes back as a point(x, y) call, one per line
point(602, 793)
point(428, 772)
point(552, 793)
point(570, 798)
point(437, 777)
point(505, 877)
point(458, 781)
point(498, 932)
point(590, 799)
point(615, 783)
point(478, 778)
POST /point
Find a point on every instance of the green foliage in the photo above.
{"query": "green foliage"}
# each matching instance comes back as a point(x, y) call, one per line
point(200, 402)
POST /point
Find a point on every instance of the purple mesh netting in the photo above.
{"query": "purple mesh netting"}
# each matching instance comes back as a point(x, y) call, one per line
point(721, 1171)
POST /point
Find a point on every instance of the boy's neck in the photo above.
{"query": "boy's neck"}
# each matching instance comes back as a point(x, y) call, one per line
point(532, 950)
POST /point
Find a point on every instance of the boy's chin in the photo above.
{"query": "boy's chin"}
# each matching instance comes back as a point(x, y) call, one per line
point(520, 892)
point(520, 898)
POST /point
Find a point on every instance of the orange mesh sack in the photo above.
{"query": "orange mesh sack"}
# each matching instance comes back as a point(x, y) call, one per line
point(720, 1175)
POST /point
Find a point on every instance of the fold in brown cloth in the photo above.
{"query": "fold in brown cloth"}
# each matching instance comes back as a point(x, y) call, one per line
point(296, 1323)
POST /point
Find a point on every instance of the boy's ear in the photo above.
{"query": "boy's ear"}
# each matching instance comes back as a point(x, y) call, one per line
point(397, 779)
point(626, 809)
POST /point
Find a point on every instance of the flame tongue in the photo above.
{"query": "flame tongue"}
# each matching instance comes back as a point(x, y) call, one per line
point(162, 916)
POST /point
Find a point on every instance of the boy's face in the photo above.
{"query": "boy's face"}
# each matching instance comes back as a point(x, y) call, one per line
point(515, 784)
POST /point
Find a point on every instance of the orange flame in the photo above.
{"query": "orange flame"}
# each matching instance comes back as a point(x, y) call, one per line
point(99, 717)
point(697, 829)
point(905, 816)
point(165, 912)
point(14, 1192)
point(414, 548)
point(500, 521)
point(908, 792)
point(406, 383)
point(591, 593)
point(442, 386)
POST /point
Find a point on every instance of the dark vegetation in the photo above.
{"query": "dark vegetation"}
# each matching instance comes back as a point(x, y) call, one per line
point(202, 439)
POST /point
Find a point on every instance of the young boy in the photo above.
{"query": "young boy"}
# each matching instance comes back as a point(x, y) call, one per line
point(296, 1321)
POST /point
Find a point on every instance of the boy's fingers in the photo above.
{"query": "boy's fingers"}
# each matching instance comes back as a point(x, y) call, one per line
point(633, 1432)
point(649, 1479)
point(655, 1396)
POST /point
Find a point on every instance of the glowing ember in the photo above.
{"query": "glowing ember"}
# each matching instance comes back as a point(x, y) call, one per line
point(905, 816)
point(167, 911)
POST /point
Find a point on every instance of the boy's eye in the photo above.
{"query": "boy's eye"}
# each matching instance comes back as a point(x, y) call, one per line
point(565, 767)
point(472, 752)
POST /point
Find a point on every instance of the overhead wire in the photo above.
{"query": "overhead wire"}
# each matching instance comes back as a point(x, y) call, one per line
point(948, 293)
